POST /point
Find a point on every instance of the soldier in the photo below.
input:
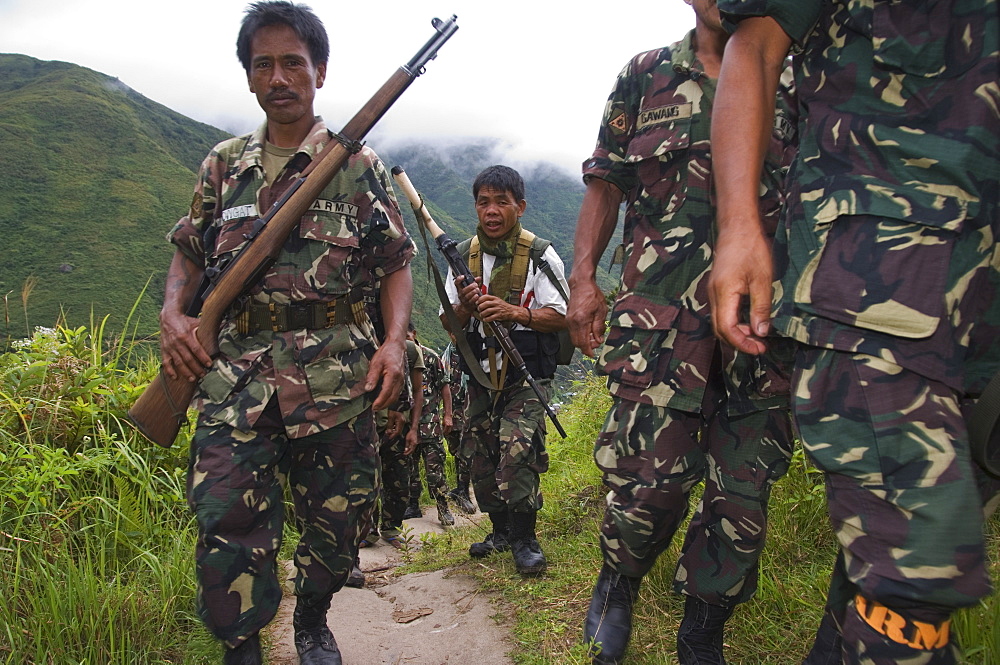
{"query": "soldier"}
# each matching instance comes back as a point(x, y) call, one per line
point(888, 275)
point(517, 273)
point(686, 409)
point(455, 436)
point(436, 415)
point(290, 396)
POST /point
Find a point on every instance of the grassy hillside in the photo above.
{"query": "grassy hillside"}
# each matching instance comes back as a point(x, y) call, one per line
point(94, 173)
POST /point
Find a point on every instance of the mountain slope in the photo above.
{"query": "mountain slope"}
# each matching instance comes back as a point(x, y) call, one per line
point(95, 173)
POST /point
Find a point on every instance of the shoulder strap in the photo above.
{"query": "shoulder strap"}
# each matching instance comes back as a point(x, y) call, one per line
point(474, 257)
point(537, 250)
point(519, 265)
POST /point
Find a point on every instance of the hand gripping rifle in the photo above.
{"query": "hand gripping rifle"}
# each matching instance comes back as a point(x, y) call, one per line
point(449, 248)
point(162, 408)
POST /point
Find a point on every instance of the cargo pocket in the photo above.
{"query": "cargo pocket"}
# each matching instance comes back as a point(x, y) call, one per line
point(636, 358)
point(878, 268)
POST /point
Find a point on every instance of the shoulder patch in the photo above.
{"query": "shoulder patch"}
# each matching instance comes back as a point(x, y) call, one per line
point(197, 206)
point(619, 124)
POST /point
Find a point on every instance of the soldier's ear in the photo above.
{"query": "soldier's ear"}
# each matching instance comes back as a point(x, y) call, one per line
point(320, 74)
point(521, 205)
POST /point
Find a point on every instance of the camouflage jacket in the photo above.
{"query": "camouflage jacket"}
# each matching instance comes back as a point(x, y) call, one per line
point(352, 234)
point(888, 228)
point(654, 145)
point(435, 379)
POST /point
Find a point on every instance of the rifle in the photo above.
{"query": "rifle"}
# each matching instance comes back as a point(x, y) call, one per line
point(449, 249)
point(161, 410)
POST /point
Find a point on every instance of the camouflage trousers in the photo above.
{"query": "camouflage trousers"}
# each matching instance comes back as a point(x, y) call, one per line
point(903, 500)
point(456, 445)
point(432, 452)
point(395, 489)
point(236, 483)
point(506, 444)
point(652, 457)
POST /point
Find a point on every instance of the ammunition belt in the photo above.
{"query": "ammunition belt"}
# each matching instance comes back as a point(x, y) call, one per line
point(252, 316)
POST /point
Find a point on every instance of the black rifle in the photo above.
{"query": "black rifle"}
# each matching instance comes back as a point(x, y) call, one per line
point(449, 249)
point(162, 407)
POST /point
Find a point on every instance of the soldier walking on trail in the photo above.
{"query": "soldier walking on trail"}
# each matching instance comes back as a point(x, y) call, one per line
point(888, 272)
point(436, 415)
point(686, 409)
point(458, 444)
point(521, 278)
point(289, 399)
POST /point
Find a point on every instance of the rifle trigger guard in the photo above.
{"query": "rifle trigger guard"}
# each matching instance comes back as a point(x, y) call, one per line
point(353, 147)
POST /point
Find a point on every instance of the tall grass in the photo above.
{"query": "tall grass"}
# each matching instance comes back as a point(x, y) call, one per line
point(95, 544)
point(775, 628)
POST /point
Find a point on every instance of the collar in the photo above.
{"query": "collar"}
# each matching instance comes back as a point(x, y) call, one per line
point(253, 150)
point(682, 56)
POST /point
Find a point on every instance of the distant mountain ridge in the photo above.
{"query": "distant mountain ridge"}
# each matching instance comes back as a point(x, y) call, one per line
point(98, 173)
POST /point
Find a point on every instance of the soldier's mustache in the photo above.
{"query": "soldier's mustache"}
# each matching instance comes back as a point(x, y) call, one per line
point(281, 94)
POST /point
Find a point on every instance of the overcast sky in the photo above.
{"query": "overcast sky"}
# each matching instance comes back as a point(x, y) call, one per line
point(535, 74)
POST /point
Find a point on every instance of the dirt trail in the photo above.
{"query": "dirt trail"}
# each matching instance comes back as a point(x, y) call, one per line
point(436, 618)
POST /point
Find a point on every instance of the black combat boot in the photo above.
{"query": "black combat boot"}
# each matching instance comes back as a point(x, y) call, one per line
point(313, 640)
point(699, 639)
point(528, 556)
point(494, 542)
point(609, 620)
point(460, 495)
point(356, 578)
point(412, 511)
point(444, 514)
point(247, 653)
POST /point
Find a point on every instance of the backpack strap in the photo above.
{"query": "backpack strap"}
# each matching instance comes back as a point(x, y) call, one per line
point(519, 266)
point(474, 257)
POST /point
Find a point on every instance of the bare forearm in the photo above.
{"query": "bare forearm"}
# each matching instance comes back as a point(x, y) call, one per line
point(183, 279)
point(594, 227)
point(742, 117)
point(396, 297)
point(543, 319)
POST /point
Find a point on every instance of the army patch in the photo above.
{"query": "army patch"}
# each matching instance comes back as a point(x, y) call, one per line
point(663, 114)
point(336, 207)
point(619, 124)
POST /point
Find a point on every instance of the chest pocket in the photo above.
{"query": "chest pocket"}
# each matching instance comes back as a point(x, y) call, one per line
point(658, 151)
point(932, 39)
point(326, 250)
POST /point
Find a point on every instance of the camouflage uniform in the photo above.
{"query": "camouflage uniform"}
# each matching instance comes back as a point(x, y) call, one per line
point(459, 404)
point(318, 428)
point(686, 408)
point(506, 428)
point(429, 446)
point(889, 283)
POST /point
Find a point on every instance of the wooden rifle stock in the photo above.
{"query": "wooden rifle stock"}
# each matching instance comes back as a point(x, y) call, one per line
point(448, 248)
point(161, 409)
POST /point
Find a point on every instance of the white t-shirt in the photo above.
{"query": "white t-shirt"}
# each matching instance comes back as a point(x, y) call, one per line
point(538, 290)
